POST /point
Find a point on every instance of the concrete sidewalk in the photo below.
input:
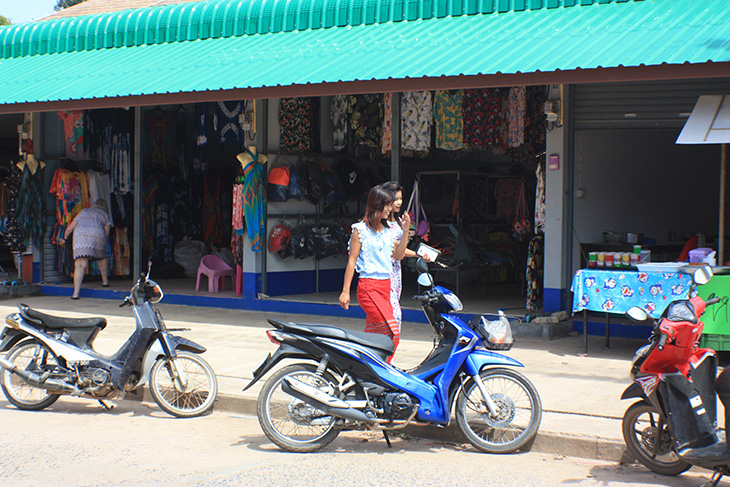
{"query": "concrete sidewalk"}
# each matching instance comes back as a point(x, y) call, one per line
point(580, 394)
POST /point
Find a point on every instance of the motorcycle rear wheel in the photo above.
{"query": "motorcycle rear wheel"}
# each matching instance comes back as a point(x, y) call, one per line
point(641, 426)
point(518, 415)
point(31, 356)
point(195, 397)
point(291, 423)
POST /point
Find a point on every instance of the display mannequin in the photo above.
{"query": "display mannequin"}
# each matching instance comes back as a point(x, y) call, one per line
point(249, 155)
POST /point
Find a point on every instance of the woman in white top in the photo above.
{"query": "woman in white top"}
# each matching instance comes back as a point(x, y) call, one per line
point(372, 247)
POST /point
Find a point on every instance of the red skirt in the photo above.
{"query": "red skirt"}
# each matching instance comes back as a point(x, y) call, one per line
point(373, 295)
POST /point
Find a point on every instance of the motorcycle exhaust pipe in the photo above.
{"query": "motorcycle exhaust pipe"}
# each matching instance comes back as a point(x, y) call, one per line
point(35, 380)
point(321, 400)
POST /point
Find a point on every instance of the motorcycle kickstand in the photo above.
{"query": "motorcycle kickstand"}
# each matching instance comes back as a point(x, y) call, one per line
point(105, 405)
point(715, 479)
point(387, 439)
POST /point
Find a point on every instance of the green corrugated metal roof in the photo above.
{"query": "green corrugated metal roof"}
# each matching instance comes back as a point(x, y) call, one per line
point(227, 18)
point(650, 32)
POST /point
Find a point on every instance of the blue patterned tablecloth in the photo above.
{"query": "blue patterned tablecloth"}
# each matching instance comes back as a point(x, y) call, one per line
point(617, 291)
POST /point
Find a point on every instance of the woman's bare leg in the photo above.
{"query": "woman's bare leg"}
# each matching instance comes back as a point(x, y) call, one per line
point(103, 269)
point(80, 266)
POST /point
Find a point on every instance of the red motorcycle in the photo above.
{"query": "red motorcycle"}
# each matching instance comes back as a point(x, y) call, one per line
point(674, 425)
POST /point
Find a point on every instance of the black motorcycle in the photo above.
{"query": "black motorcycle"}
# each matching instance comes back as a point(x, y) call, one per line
point(50, 356)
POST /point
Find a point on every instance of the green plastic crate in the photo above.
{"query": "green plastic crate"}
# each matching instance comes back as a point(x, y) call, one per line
point(718, 343)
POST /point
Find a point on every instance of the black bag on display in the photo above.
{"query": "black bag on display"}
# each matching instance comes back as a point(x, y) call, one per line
point(349, 176)
point(316, 183)
point(336, 195)
point(296, 188)
point(299, 248)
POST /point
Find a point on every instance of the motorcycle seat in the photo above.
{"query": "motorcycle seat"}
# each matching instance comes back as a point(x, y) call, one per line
point(51, 321)
point(373, 340)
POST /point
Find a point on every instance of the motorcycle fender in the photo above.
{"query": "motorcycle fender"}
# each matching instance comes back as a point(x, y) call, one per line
point(478, 359)
point(284, 351)
point(9, 337)
point(180, 343)
point(156, 350)
point(633, 391)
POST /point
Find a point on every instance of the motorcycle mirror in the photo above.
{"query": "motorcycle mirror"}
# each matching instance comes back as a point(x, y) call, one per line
point(421, 265)
point(702, 275)
point(637, 314)
point(425, 279)
point(149, 269)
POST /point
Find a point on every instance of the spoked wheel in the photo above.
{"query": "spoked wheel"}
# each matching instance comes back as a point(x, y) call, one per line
point(290, 422)
point(33, 357)
point(185, 389)
point(517, 416)
point(649, 440)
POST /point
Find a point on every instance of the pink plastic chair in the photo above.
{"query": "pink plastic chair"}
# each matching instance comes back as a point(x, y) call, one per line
point(216, 270)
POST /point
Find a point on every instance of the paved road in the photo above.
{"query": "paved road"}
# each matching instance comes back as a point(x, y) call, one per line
point(76, 443)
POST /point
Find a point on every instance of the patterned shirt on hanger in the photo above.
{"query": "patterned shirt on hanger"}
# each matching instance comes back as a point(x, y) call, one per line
point(416, 120)
point(449, 121)
point(338, 113)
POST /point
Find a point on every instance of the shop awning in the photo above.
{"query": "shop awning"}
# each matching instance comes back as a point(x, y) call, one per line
point(248, 49)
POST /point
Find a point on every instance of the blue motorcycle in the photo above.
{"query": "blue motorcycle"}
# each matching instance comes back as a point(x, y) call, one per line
point(345, 382)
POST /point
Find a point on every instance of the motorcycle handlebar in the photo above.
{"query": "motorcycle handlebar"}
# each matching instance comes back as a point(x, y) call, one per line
point(712, 301)
point(662, 341)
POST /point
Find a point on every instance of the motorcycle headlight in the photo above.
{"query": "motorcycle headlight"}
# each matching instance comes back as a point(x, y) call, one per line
point(681, 311)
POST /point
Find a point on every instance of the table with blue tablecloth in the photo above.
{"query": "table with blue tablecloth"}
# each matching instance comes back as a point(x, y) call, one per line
point(615, 291)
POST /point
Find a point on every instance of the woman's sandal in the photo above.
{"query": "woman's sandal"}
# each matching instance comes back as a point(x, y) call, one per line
point(74, 297)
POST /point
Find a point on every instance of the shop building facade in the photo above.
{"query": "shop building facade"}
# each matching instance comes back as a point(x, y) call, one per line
point(611, 95)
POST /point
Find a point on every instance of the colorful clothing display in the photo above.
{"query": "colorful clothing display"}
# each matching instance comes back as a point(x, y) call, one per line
point(540, 197)
point(254, 200)
point(366, 119)
point(225, 122)
point(200, 151)
point(516, 106)
point(73, 133)
point(338, 113)
point(534, 273)
point(448, 119)
point(482, 113)
point(416, 118)
point(386, 138)
point(72, 194)
point(158, 126)
point(298, 125)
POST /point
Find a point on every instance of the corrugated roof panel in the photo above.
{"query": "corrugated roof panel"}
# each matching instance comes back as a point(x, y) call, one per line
point(222, 18)
point(619, 34)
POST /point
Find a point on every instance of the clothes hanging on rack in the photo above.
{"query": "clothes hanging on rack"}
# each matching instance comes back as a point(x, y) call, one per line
point(73, 133)
point(534, 274)
point(225, 122)
point(449, 121)
point(338, 113)
point(416, 118)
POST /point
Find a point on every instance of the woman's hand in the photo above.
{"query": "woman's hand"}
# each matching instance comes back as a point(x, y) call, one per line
point(405, 222)
point(345, 299)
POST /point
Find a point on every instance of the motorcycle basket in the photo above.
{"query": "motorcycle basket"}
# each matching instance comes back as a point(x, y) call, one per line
point(496, 334)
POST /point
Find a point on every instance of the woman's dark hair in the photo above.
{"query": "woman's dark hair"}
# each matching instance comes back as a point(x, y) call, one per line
point(394, 187)
point(378, 199)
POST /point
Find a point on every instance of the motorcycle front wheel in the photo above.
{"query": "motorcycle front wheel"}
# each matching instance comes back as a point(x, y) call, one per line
point(517, 416)
point(291, 423)
point(33, 357)
point(649, 440)
point(189, 394)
